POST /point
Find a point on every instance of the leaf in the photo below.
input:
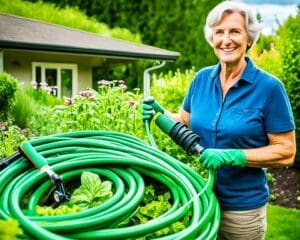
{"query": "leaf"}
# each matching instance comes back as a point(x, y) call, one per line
point(92, 191)
point(90, 180)
point(105, 188)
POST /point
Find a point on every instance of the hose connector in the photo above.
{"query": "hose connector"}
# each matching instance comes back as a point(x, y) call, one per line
point(186, 138)
point(180, 134)
point(29, 152)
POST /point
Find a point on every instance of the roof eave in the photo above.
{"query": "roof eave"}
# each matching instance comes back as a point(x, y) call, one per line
point(107, 53)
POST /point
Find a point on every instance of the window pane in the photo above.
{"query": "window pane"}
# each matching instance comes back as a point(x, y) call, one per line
point(66, 82)
point(51, 80)
point(38, 75)
point(51, 76)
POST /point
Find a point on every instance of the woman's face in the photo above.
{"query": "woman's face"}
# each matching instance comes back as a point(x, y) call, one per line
point(230, 39)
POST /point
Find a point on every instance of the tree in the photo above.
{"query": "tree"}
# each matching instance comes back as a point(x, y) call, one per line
point(171, 24)
point(289, 43)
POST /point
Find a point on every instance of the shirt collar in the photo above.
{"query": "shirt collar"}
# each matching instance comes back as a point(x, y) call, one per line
point(248, 74)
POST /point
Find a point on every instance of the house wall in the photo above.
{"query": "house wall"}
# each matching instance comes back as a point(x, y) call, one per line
point(19, 64)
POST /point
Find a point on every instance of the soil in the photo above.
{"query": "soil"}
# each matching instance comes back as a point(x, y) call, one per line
point(285, 190)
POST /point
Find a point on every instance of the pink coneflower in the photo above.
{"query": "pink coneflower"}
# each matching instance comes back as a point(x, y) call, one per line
point(86, 93)
point(131, 103)
point(104, 83)
point(121, 82)
point(69, 101)
point(123, 87)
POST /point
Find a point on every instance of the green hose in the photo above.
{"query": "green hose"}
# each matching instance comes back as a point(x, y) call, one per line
point(124, 160)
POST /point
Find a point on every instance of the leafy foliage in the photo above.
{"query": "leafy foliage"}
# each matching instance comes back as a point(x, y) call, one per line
point(70, 17)
point(154, 205)
point(23, 109)
point(10, 138)
point(111, 108)
point(289, 45)
point(91, 193)
point(8, 88)
point(9, 229)
point(268, 60)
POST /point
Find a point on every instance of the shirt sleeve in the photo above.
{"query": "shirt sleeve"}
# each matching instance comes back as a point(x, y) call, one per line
point(278, 112)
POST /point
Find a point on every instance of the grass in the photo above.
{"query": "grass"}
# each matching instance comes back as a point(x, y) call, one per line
point(282, 223)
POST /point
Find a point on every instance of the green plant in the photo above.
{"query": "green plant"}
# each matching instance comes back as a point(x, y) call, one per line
point(111, 108)
point(10, 138)
point(270, 178)
point(92, 192)
point(155, 203)
point(289, 45)
point(23, 109)
point(42, 97)
point(9, 229)
point(273, 196)
point(268, 60)
point(170, 88)
point(8, 88)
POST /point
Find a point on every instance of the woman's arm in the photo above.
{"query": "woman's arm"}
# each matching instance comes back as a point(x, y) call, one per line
point(182, 116)
point(280, 152)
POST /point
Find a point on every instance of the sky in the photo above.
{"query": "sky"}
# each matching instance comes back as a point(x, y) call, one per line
point(272, 12)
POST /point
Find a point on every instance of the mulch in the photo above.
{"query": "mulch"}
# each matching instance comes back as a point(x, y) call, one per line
point(286, 187)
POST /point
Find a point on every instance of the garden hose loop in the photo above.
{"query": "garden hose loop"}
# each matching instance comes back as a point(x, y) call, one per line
point(123, 159)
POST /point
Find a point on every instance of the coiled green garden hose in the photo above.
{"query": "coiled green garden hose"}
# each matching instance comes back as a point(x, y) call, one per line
point(124, 160)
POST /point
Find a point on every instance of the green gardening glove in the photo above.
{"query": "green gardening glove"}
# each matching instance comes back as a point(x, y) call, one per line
point(150, 108)
point(215, 158)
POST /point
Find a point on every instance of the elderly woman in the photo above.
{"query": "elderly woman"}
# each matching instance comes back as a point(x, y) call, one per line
point(244, 118)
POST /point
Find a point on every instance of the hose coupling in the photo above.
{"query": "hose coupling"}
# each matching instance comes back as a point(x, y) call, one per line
point(60, 194)
point(186, 138)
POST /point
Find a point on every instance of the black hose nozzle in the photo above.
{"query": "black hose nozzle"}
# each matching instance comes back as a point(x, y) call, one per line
point(186, 138)
point(180, 134)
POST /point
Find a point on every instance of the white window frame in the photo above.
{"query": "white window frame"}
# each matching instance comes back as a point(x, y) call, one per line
point(58, 67)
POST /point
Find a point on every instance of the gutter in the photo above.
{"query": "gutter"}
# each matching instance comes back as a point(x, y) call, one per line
point(169, 56)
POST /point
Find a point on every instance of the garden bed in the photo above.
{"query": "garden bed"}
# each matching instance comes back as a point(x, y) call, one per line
point(285, 191)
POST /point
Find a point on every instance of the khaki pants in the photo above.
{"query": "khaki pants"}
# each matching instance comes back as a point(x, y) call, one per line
point(243, 225)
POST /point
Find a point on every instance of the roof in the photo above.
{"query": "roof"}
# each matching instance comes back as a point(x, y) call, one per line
point(27, 34)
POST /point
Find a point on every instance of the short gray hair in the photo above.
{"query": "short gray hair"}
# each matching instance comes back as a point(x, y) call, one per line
point(216, 14)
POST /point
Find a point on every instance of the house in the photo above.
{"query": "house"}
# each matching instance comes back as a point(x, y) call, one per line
point(62, 57)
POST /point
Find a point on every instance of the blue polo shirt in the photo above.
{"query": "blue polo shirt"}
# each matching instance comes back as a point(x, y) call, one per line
point(255, 106)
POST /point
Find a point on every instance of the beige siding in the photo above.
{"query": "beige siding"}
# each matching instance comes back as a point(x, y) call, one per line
point(19, 64)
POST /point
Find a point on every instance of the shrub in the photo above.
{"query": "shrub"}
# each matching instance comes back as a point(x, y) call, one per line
point(42, 97)
point(269, 60)
point(8, 88)
point(289, 44)
point(24, 108)
point(10, 138)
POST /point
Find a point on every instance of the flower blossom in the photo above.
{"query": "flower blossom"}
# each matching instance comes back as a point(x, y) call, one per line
point(86, 93)
point(131, 103)
point(104, 83)
point(69, 101)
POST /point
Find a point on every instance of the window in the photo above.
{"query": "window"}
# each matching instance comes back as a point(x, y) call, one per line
point(60, 78)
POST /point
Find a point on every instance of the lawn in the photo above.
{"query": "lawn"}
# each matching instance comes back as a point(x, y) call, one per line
point(282, 223)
